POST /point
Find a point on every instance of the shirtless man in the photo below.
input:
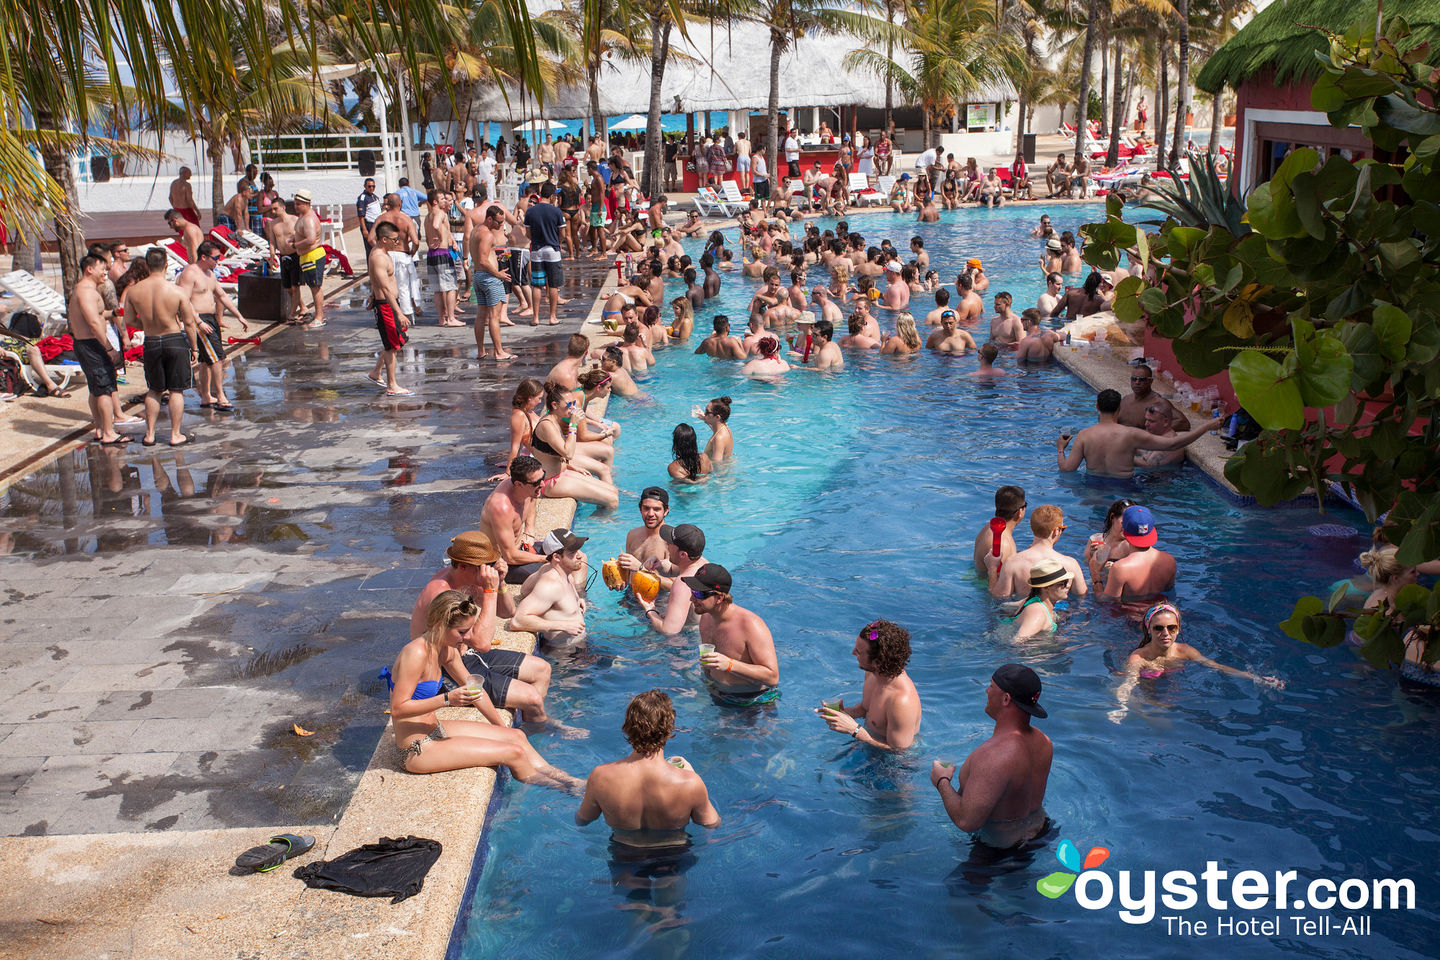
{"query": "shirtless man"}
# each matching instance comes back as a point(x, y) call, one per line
point(1054, 289)
point(164, 313)
point(987, 369)
point(992, 191)
point(645, 548)
point(87, 330)
point(827, 355)
point(1002, 783)
point(567, 371)
point(237, 211)
point(1057, 177)
point(970, 308)
point(280, 232)
point(754, 333)
point(182, 197)
point(197, 281)
point(553, 609)
point(712, 279)
point(189, 234)
point(942, 303)
point(829, 309)
point(595, 192)
point(508, 518)
point(889, 701)
point(979, 279)
point(1108, 448)
point(512, 679)
point(1146, 570)
point(1005, 328)
point(1157, 421)
point(686, 557)
point(857, 339)
point(490, 280)
point(1133, 408)
point(1081, 301)
point(1038, 344)
point(647, 800)
point(897, 293)
point(638, 357)
point(1070, 261)
point(612, 362)
point(407, 278)
point(693, 225)
point(391, 321)
point(1009, 508)
point(922, 256)
point(950, 338)
point(444, 272)
point(743, 663)
point(720, 345)
point(1012, 576)
point(929, 212)
point(311, 253)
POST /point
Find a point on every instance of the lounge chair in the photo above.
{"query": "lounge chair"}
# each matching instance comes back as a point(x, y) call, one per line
point(861, 193)
point(233, 251)
point(718, 203)
point(46, 302)
point(797, 194)
point(730, 193)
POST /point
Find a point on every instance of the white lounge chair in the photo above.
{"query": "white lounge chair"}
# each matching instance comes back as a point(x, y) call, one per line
point(885, 186)
point(44, 300)
point(61, 372)
point(730, 193)
point(332, 228)
point(796, 189)
point(255, 240)
point(861, 193)
point(712, 201)
point(233, 251)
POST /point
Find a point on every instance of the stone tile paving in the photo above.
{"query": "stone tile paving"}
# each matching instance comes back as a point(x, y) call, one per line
point(169, 614)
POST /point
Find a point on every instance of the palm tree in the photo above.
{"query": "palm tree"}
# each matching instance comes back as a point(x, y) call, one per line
point(950, 50)
point(46, 100)
point(602, 32)
point(1182, 86)
point(1082, 109)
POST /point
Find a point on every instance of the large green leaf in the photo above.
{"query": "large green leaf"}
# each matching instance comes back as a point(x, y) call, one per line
point(1392, 330)
point(1422, 543)
point(1263, 388)
point(1395, 112)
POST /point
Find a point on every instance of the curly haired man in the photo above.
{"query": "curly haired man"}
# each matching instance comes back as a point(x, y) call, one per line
point(889, 703)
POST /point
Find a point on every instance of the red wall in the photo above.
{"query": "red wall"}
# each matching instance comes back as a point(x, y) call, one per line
point(1260, 93)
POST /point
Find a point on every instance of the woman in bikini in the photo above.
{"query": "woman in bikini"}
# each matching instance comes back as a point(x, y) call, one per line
point(684, 323)
point(689, 463)
point(906, 339)
point(416, 691)
point(1049, 584)
point(716, 416)
point(1161, 652)
point(570, 472)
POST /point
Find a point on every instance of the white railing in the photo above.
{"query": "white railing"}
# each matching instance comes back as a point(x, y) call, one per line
point(322, 151)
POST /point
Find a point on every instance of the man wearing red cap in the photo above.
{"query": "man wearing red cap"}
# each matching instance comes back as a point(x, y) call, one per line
point(1002, 783)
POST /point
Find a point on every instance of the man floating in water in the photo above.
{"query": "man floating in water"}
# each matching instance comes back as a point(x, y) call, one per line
point(1002, 783)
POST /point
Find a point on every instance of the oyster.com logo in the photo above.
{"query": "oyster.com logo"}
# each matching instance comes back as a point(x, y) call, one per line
point(1057, 884)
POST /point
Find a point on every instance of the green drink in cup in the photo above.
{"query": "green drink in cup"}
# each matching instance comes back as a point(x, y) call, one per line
point(706, 648)
point(832, 704)
point(474, 685)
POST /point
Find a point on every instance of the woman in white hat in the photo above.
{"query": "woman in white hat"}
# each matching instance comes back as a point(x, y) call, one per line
point(1049, 584)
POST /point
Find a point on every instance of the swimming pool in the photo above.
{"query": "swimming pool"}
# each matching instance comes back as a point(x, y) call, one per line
point(856, 496)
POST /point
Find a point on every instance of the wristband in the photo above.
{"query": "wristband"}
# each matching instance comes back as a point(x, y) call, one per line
point(487, 591)
point(729, 664)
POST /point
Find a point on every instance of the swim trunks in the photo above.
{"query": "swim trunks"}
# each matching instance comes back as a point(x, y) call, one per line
point(391, 336)
point(726, 698)
point(545, 268)
point(167, 362)
point(312, 267)
point(597, 215)
point(442, 265)
point(498, 667)
point(97, 366)
point(212, 348)
point(289, 270)
point(489, 289)
point(761, 189)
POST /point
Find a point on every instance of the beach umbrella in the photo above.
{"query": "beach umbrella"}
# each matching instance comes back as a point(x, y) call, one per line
point(534, 125)
point(635, 121)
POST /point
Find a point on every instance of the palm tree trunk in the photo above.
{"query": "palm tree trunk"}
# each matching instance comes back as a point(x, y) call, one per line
point(1117, 108)
point(653, 183)
point(890, 56)
point(1105, 76)
point(217, 177)
point(1182, 84)
point(772, 108)
point(1082, 109)
point(67, 235)
point(1217, 107)
point(1162, 100)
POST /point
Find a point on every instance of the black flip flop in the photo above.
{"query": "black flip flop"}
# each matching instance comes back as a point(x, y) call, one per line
point(268, 856)
point(224, 407)
point(118, 441)
point(148, 443)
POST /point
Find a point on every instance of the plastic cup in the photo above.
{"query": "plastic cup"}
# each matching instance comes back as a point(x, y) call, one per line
point(832, 704)
point(474, 684)
point(706, 648)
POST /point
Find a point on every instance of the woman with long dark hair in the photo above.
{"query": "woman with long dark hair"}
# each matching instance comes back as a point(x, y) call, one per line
point(689, 463)
point(554, 444)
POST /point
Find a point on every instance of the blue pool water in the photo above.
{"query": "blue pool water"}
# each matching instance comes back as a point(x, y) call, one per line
point(856, 496)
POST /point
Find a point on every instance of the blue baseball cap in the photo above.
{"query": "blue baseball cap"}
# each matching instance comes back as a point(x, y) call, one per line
point(1138, 526)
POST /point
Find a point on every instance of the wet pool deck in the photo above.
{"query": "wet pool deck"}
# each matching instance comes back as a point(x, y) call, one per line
point(171, 613)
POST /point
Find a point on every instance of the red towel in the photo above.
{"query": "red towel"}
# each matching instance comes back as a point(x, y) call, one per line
point(343, 260)
point(52, 347)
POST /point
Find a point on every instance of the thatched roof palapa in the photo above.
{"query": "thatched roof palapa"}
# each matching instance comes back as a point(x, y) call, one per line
point(1277, 39)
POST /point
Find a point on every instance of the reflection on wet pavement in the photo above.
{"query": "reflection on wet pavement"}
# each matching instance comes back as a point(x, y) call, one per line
point(170, 613)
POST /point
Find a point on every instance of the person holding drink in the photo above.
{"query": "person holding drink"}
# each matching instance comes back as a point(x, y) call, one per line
point(889, 703)
point(741, 669)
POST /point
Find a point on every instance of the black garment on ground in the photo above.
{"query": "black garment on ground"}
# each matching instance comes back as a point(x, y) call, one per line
point(391, 868)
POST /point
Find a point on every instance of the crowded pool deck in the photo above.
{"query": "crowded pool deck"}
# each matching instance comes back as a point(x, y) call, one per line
point(138, 824)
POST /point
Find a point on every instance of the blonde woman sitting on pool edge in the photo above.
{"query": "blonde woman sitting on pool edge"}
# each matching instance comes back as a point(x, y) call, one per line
point(416, 680)
point(1161, 652)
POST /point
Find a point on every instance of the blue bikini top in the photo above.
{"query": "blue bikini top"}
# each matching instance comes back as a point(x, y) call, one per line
point(424, 690)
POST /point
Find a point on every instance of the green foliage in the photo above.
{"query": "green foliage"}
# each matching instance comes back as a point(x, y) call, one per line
point(1319, 293)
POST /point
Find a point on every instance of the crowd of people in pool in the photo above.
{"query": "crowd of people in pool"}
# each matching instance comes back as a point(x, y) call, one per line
point(560, 448)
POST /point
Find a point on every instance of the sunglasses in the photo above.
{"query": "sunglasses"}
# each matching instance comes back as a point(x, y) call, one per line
point(536, 483)
point(699, 594)
point(1141, 379)
point(1166, 627)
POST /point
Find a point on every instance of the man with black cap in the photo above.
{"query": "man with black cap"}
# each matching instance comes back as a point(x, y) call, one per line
point(742, 666)
point(1002, 783)
point(553, 609)
point(686, 544)
point(645, 549)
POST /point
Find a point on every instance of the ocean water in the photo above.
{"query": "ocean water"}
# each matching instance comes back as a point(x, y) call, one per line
point(857, 495)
